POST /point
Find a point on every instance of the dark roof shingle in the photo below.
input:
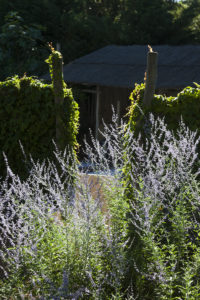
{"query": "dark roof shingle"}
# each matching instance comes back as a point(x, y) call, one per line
point(123, 66)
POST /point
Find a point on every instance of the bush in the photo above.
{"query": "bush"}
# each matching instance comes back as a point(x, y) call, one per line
point(164, 219)
point(27, 114)
point(139, 245)
point(53, 245)
point(186, 105)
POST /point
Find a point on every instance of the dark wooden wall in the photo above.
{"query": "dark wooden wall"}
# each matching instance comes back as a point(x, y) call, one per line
point(116, 97)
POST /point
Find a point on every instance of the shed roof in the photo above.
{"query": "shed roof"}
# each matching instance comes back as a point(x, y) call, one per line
point(123, 66)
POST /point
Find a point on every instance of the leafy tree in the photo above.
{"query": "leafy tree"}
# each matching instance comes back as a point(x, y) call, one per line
point(190, 21)
point(146, 22)
point(22, 47)
point(82, 26)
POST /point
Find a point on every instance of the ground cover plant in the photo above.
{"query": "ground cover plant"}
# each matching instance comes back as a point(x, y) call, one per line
point(59, 241)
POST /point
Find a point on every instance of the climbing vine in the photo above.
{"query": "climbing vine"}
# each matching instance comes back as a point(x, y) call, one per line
point(186, 105)
point(27, 114)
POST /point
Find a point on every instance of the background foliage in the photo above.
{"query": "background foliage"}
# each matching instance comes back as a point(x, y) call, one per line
point(81, 26)
point(21, 47)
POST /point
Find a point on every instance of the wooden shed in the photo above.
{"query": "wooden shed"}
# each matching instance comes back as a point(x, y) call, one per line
point(107, 76)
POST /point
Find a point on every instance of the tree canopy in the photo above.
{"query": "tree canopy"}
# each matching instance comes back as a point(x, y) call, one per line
point(82, 26)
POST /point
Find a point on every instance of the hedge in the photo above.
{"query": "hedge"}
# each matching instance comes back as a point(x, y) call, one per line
point(28, 116)
point(186, 105)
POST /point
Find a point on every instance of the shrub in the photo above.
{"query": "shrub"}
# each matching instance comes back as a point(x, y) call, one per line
point(161, 189)
point(143, 245)
point(53, 245)
point(186, 105)
point(28, 115)
point(164, 212)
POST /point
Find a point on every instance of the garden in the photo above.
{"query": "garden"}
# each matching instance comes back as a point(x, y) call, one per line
point(129, 232)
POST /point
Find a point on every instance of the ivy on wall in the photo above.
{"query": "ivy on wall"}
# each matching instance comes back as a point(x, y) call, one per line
point(66, 109)
point(186, 105)
point(28, 115)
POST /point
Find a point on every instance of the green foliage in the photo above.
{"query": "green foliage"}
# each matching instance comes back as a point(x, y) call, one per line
point(21, 47)
point(147, 22)
point(186, 23)
point(54, 59)
point(169, 247)
point(74, 25)
point(186, 105)
point(27, 115)
point(106, 243)
point(67, 113)
point(24, 35)
point(68, 252)
point(167, 253)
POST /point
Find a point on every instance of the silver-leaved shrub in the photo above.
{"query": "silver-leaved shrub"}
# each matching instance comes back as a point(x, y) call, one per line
point(124, 225)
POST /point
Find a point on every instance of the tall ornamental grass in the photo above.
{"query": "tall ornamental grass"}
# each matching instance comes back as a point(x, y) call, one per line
point(129, 232)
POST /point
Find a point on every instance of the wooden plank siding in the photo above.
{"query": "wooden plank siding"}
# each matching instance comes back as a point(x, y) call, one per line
point(116, 97)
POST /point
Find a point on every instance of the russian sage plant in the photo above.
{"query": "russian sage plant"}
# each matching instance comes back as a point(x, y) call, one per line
point(162, 179)
point(60, 238)
point(129, 230)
